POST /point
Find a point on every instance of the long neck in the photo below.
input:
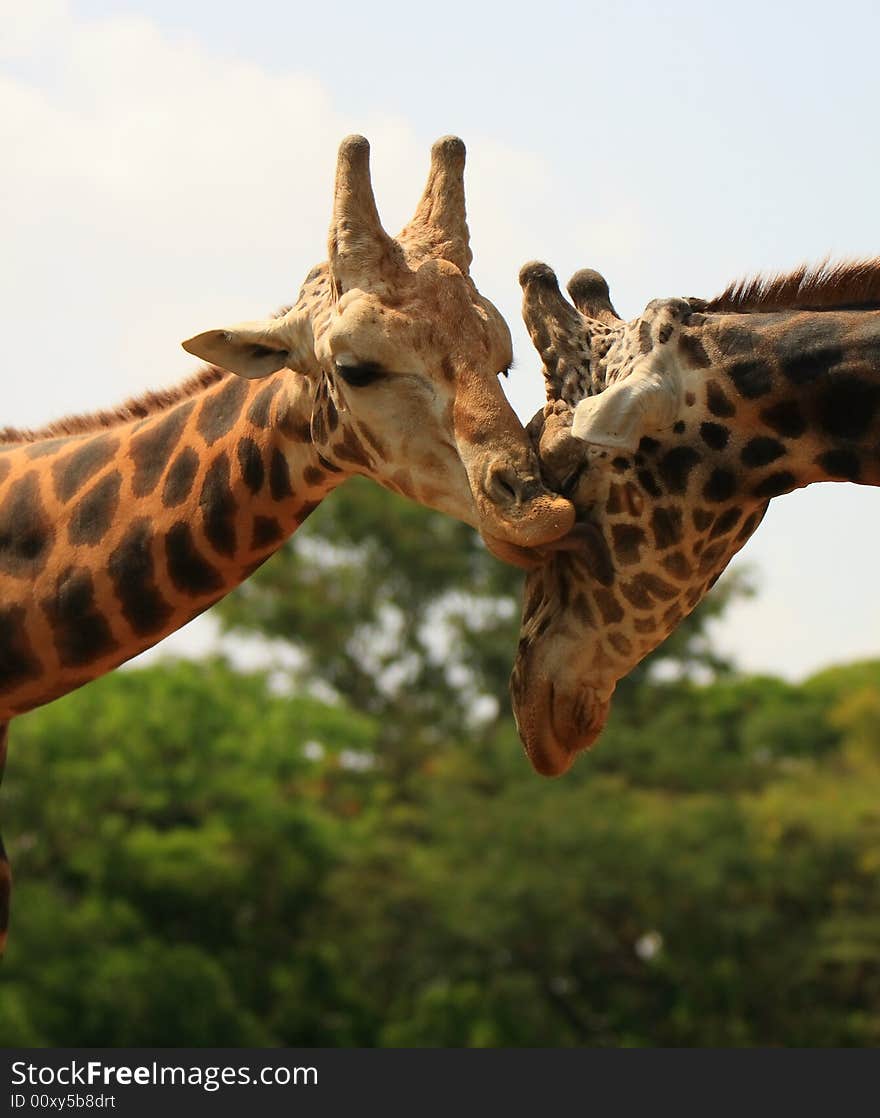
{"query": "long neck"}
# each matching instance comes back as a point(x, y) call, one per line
point(789, 399)
point(112, 539)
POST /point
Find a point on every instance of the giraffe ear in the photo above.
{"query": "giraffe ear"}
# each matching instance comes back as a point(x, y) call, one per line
point(646, 402)
point(250, 349)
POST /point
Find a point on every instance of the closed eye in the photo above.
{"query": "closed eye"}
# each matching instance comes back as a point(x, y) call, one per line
point(359, 376)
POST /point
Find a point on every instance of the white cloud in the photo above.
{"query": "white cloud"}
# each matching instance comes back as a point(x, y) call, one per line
point(153, 187)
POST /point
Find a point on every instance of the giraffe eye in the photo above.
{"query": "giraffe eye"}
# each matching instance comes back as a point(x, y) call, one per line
point(359, 376)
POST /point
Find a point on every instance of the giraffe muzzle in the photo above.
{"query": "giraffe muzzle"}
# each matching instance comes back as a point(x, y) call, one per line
point(516, 509)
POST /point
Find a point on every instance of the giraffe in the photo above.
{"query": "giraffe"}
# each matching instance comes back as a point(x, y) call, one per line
point(671, 434)
point(118, 528)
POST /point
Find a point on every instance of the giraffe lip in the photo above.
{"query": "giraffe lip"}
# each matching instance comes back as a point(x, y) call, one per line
point(542, 519)
point(556, 725)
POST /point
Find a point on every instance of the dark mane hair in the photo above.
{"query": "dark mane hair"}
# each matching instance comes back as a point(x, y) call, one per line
point(847, 285)
point(136, 408)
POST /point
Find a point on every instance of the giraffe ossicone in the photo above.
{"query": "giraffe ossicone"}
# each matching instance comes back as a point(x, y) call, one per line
point(670, 434)
point(118, 528)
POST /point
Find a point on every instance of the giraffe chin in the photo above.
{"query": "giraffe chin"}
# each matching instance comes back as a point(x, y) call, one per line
point(555, 726)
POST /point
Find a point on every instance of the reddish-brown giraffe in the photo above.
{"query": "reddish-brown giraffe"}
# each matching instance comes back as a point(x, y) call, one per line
point(671, 434)
point(118, 528)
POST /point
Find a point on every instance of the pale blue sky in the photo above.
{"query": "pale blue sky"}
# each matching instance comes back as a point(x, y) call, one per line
point(168, 167)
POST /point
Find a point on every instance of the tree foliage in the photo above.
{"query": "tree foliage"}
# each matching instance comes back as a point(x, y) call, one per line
point(210, 857)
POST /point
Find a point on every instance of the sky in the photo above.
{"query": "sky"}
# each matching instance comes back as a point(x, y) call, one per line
point(168, 166)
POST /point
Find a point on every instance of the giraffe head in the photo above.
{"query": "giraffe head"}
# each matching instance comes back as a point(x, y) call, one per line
point(638, 434)
point(402, 355)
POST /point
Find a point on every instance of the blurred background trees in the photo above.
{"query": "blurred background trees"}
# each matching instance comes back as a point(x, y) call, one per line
point(354, 851)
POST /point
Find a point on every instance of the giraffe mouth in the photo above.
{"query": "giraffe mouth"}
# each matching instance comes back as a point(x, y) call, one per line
point(556, 725)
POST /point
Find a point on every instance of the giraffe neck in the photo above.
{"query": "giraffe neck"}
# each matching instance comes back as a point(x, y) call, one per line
point(779, 401)
point(112, 539)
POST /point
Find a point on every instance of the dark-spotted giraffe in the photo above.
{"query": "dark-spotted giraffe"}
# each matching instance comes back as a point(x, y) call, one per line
point(118, 528)
point(671, 434)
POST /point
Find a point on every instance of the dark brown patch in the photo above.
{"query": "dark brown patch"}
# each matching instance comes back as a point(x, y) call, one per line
point(609, 607)
point(132, 572)
point(761, 451)
point(664, 333)
point(735, 341)
point(613, 504)
point(596, 553)
point(677, 565)
point(693, 350)
point(219, 507)
point(674, 614)
point(649, 483)
point(647, 445)
point(690, 399)
point(643, 590)
point(714, 435)
point(847, 407)
point(776, 484)
point(840, 464)
point(676, 466)
point(312, 475)
point(266, 531)
point(645, 625)
point(751, 378)
point(350, 450)
point(279, 477)
point(305, 511)
point(260, 411)
point(332, 416)
point(180, 477)
point(711, 556)
point(151, 449)
point(726, 522)
point(94, 513)
point(329, 466)
point(580, 607)
point(750, 524)
point(80, 632)
point(721, 486)
point(666, 526)
point(300, 430)
point(250, 461)
point(620, 643)
point(221, 409)
point(785, 419)
point(717, 402)
point(646, 343)
point(627, 540)
point(190, 572)
point(25, 531)
point(702, 518)
point(72, 471)
point(18, 661)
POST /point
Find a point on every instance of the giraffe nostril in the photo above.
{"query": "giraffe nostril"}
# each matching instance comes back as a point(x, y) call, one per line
point(507, 487)
point(502, 490)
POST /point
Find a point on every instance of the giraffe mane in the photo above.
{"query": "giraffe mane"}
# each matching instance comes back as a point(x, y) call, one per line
point(135, 408)
point(845, 285)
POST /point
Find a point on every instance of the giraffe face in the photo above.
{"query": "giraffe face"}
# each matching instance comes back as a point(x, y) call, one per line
point(661, 507)
point(403, 356)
